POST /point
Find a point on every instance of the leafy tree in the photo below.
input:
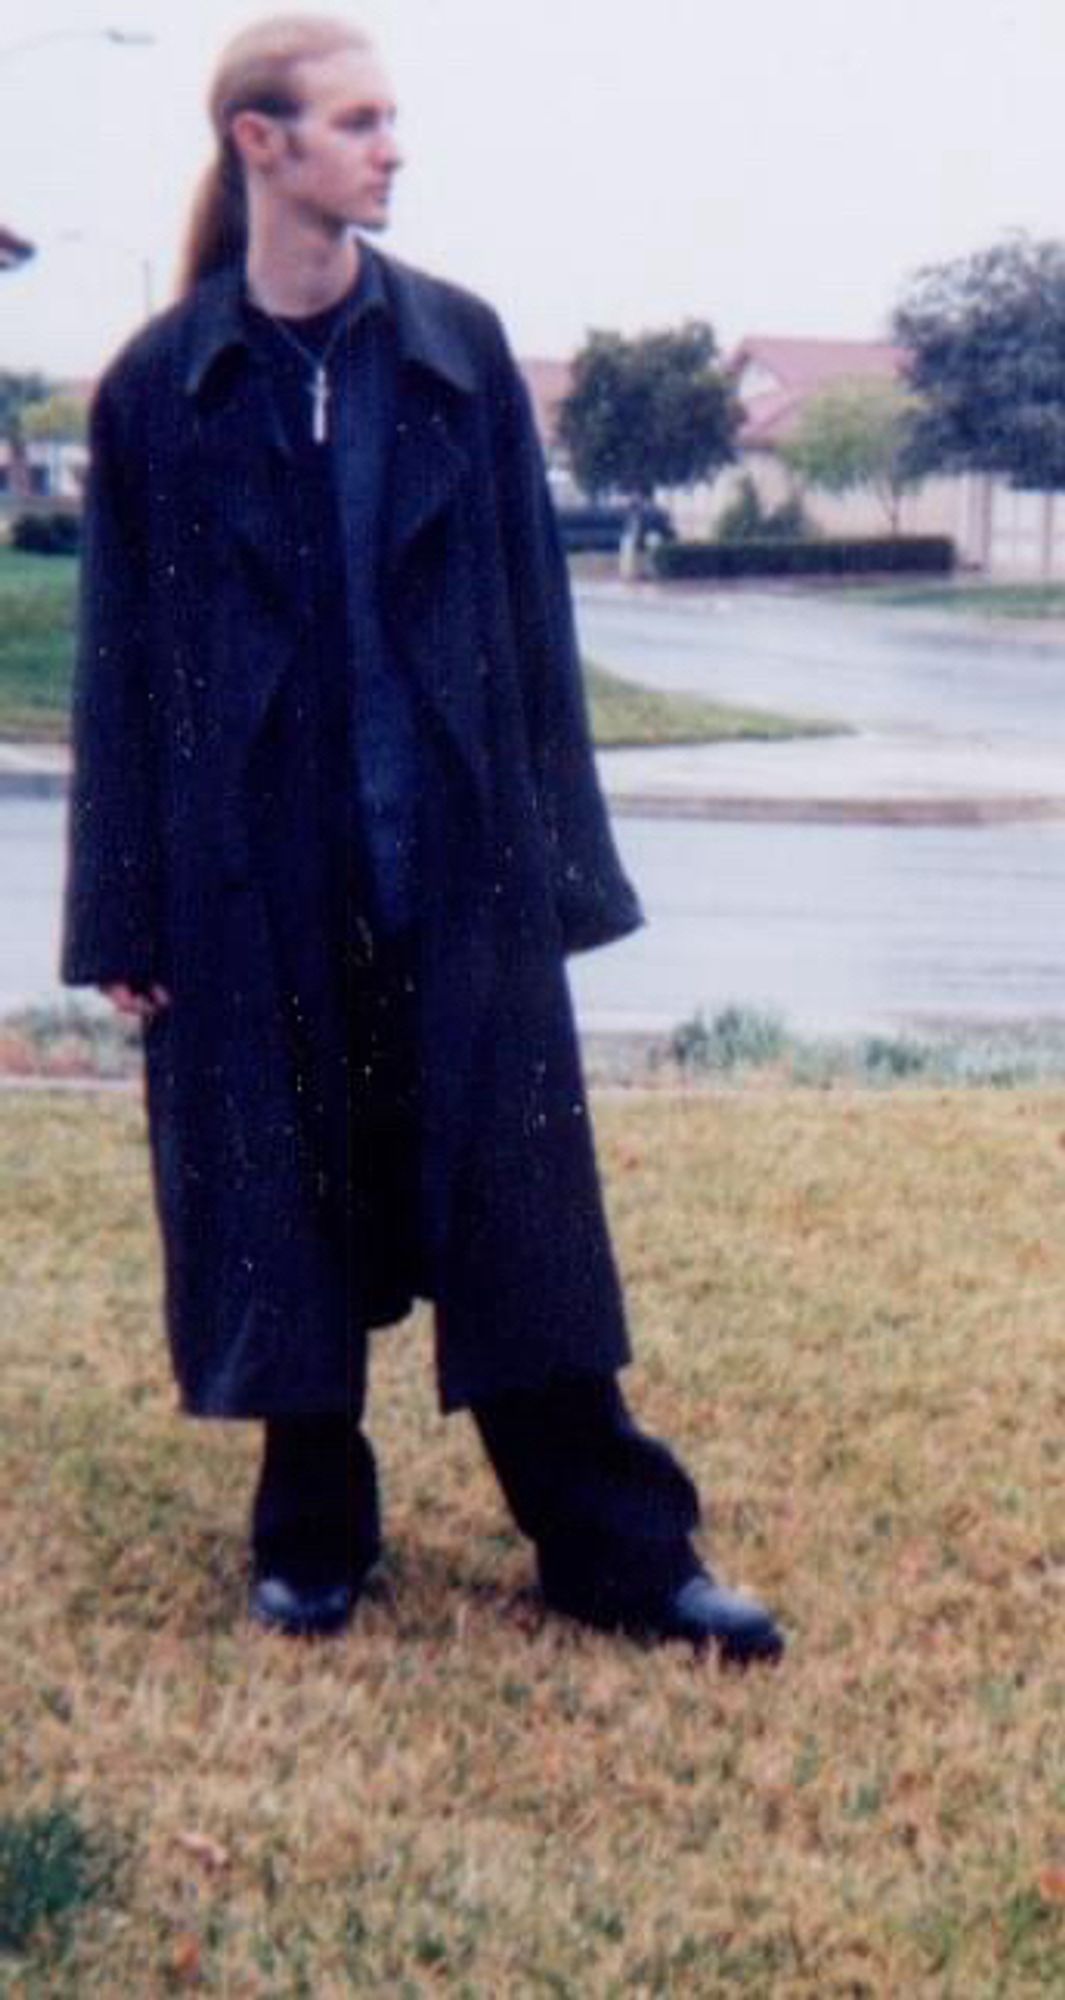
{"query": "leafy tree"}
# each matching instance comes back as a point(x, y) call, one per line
point(58, 419)
point(17, 394)
point(858, 434)
point(986, 342)
point(653, 411)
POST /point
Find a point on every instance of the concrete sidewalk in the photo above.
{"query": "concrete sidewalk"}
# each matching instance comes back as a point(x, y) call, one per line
point(866, 778)
point(33, 770)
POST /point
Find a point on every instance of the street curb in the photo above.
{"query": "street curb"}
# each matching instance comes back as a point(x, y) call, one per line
point(916, 812)
point(32, 783)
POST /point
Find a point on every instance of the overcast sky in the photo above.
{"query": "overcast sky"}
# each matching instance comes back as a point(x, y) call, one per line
point(774, 166)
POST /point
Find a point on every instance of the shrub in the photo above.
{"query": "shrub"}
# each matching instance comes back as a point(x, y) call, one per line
point(57, 533)
point(870, 556)
point(736, 1038)
point(746, 520)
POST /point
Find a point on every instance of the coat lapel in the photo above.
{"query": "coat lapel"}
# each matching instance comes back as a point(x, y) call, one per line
point(244, 454)
point(425, 474)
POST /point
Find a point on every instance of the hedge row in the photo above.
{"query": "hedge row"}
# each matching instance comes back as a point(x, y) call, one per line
point(883, 555)
point(57, 533)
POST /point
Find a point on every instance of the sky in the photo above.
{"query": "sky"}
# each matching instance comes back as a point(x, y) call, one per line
point(774, 167)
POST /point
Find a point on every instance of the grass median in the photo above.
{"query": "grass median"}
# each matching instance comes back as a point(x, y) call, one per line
point(849, 1312)
point(1030, 601)
point(37, 618)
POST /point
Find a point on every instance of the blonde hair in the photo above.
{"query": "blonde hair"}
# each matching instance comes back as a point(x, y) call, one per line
point(254, 73)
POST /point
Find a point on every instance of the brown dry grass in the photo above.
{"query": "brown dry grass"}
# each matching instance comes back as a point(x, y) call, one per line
point(850, 1312)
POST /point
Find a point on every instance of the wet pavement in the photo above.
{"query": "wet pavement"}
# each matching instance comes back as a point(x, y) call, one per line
point(935, 676)
point(855, 927)
point(912, 871)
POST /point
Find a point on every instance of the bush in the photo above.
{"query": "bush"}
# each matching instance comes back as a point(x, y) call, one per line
point(53, 534)
point(736, 1038)
point(871, 556)
point(746, 520)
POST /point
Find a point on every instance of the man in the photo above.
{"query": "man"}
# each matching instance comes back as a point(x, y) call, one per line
point(335, 826)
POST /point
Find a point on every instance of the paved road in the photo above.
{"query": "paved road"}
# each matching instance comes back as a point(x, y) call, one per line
point(884, 670)
point(846, 925)
point(836, 927)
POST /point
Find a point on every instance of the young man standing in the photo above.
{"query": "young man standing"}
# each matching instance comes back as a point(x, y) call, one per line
point(335, 827)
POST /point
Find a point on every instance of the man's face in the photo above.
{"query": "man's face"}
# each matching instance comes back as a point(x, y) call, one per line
point(340, 153)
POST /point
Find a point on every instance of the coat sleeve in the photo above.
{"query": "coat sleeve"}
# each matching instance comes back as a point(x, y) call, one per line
point(111, 916)
point(594, 899)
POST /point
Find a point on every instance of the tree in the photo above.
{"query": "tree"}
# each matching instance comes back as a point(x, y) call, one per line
point(857, 434)
point(653, 411)
point(986, 341)
point(58, 419)
point(17, 394)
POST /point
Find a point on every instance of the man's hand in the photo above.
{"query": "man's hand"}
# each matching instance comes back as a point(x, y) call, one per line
point(141, 1005)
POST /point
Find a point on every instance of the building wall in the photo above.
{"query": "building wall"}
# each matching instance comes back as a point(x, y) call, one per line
point(994, 529)
point(56, 470)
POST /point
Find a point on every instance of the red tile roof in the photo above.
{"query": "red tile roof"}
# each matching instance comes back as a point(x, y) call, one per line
point(547, 382)
point(789, 372)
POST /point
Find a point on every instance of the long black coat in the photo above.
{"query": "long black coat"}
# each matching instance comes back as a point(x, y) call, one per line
point(191, 643)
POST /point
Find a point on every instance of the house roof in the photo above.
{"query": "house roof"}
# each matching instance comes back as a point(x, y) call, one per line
point(547, 382)
point(776, 377)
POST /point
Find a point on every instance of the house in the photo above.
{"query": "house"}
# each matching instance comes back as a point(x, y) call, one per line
point(776, 377)
point(48, 468)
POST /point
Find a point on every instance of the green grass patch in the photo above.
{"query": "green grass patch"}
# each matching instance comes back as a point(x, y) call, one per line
point(37, 614)
point(52, 1867)
point(848, 1311)
point(624, 714)
point(988, 600)
point(37, 626)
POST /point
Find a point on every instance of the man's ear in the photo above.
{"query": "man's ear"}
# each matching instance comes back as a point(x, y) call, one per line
point(258, 139)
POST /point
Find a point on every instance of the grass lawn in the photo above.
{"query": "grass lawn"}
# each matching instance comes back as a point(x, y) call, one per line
point(625, 714)
point(850, 1310)
point(991, 600)
point(37, 599)
point(37, 596)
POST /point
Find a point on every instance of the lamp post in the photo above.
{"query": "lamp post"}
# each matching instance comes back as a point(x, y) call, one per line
point(126, 38)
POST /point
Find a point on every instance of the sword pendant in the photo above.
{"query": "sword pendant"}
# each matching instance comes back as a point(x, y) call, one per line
point(320, 402)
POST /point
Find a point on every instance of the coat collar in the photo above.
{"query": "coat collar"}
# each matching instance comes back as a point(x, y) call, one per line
point(426, 333)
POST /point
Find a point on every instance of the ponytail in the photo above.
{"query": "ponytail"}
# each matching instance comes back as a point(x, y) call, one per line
point(218, 226)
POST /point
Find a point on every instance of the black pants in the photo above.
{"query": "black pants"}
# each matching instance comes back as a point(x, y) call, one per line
point(608, 1508)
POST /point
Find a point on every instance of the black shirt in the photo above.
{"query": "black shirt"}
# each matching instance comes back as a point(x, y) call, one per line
point(344, 489)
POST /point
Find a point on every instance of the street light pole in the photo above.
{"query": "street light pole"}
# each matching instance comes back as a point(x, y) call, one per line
point(125, 38)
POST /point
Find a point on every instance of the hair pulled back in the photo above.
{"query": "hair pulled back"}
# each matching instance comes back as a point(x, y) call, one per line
point(255, 73)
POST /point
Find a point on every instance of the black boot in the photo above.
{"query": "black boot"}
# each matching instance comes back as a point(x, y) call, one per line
point(315, 1525)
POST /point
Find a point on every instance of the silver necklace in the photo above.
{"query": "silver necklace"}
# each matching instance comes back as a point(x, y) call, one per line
point(319, 386)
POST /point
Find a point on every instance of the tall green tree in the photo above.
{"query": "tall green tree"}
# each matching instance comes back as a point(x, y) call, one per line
point(17, 395)
point(858, 434)
point(985, 336)
point(652, 411)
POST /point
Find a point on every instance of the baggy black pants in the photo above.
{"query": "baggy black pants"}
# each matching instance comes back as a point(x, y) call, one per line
point(609, 1509)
